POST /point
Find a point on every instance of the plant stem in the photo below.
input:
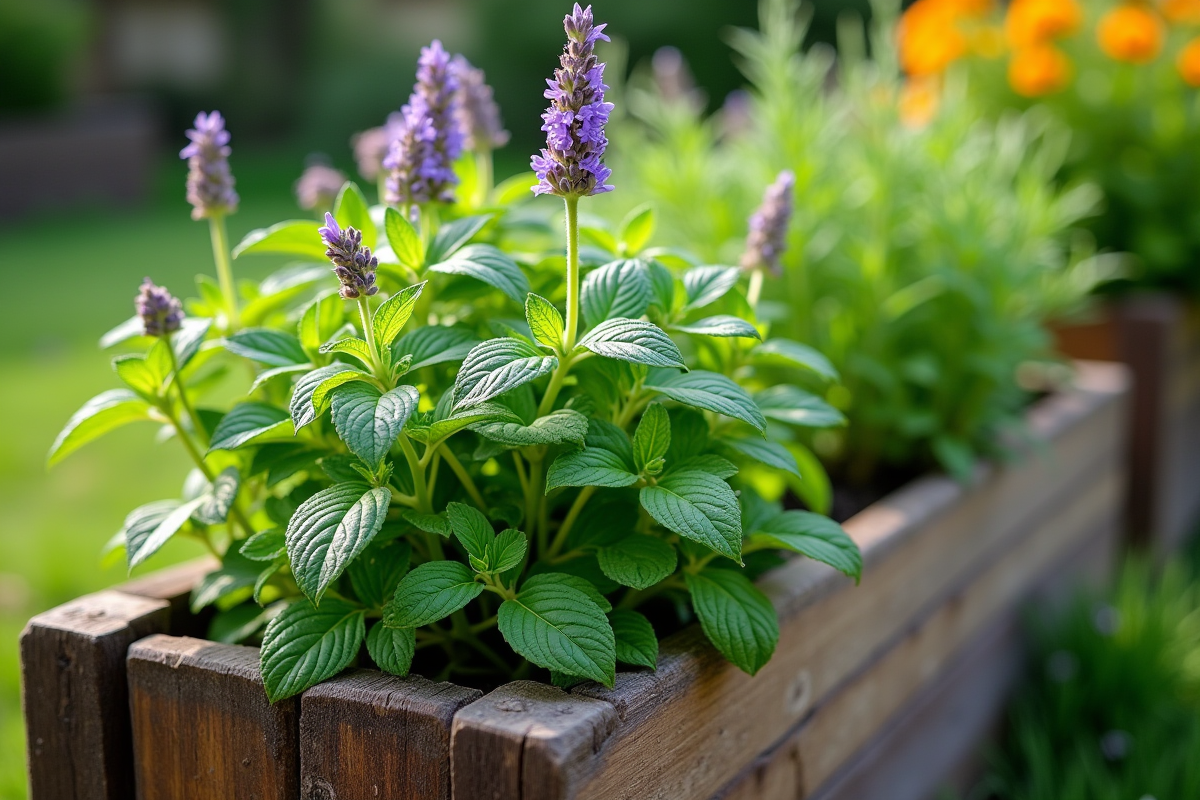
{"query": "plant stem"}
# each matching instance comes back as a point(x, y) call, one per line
point(418, 476)
point(484, 174)
point(364, 312)
point(755, 289)
point(463, 476)
point(183, 398)
point(576, 509)
point(220, 246)
point(571, 331)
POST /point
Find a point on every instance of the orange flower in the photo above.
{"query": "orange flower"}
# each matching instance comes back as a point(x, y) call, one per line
point(1181, 12)
point(919, 101)
point(1130, 33)
point(1030, 22)
point(1038, 70)
point(1188, 63)
point(929, 38)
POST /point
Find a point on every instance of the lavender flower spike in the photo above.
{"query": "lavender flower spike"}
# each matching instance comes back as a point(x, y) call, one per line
point(352, 262)
point(768, 226)
point(475, 108)
point(572, 163)
point(161, 313)
point(421, 158)
point(209, 181)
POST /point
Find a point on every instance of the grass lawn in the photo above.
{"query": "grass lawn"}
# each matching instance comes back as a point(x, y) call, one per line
point(68, 279)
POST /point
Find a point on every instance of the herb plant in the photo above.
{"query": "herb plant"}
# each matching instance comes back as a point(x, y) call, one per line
point(416, 468)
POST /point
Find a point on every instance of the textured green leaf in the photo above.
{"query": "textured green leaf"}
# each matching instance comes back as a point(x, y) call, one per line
point(609, 518)
point(435, 344)
point(351, 345)
point(376, 573)
point(471, 528)
point(135, 373)
point(351, 211)
point(563, 426)
point(279, 289)
point(545, 322)
point(330, 529)
point(218, 498)
point(704, 285)
point(497, 366)
point(246, 422)
point(576, 581)
point(148, 527)
point(652, 438)
point(772, 454)
point(592, 466)
point(405, 240)
point(662, 284)
point(557, 627)
point(240, 623)
point(267, 375)
point(429, 523)
point(306, 645)
point(303, 412)
point(236, 574)
point(617, 289)
point(507, 550)
point(431, 592)
point(320, 321)
point(785, 403)
point(815, 536)
point(637, 645)
point(392, 649)
point(794, 354)
point(815, 489)
point(606, 435)
point(105, 412)
point(633, 340)
point(723, 325)
point(428, 428)
point(637, 228)
point(391, 317)
point(489, 264)
point(710, 391)
point(370, 422)
point(453, 235)
point(294, 237)
point(638, 561)
point(700, 507)
point(322, 396)
point(265, 545)
point(266, 346)
point(736, 617)
point(711, 463)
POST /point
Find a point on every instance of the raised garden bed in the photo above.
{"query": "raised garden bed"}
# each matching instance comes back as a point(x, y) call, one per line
point(1158, 337)
point(918, 656)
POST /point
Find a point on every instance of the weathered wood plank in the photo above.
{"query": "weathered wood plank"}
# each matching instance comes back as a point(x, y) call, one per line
point(75, 698)
point(686, 730)
point(367, 735)
point(174, 584)
point(511, 744)
point(202, 726)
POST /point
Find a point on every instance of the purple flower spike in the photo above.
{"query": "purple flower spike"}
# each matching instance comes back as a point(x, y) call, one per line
point(572, 164)
point(768, 226)
point(421, 157)
point(352, 262)
point(318, 187)
point(209, 181)
point(476, 110)
point(161, 313)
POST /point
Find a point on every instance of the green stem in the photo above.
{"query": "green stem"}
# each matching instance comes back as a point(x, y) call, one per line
point(484, 174)
point(418, 475)
point(571, 330)
point(755, 291)
point(177, 382)
point(463, 476)
point(364, 312)
point(560, 538)
point(220, 246)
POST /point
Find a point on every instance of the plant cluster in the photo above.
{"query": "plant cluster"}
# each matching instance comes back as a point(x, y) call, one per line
point(921, 259)
point(1121, 75)
point(431, 458)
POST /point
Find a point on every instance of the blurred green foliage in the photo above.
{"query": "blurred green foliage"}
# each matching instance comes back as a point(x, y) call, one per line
point(38, 43)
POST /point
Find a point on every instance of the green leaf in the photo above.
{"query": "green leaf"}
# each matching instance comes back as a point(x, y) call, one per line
point(662, 284)
point(633, 340)
point(218, 498)
point(376, 573)
point(711, 463)
point(471, 528)
point(306, 645)
point(391, 317)
point(351, 346)
point(105, 412)
point(545, 322)
point(351, 211)
point(237, 573)
point(599, 237)
point(617, 289)
point(429, 523)
point(723, 325)
point(563, 426)
point(137, 375)
point(794, 354)
point(652, 438)
point(606, 435)
point(453, 235)
point(246, 422)
point(507, 550)
point(295, 237)
point(330, 529)
point(266, 346)
point(814, 489)
point(557, 627)
point(320, 321)
point(322, 396)
point(405, 240)
point(301, 406)
point(515, 189)
point(637, 228)
point(431, 592)
point(556, 574)
point(265, 545)
point(497, 366)
point(427, 428)
point(188, 339)
point(638, 561)
point(131, 328)
point(239, 623)
point(710, 391)
point(704, 285)
point(637, 645)
point(368, 421)
point(392, 649)
point(593, 466)
point(268, 375)
point(785, 403)
point(489, 264)
point(700, 507)
point(435, 344)
point(815, 536)
point(279, 289)
point(736, 617)
point(148, 527)
point(772, 454)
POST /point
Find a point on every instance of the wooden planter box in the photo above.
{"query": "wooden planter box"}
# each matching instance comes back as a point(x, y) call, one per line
point(878, 691)
point(1158, 337)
